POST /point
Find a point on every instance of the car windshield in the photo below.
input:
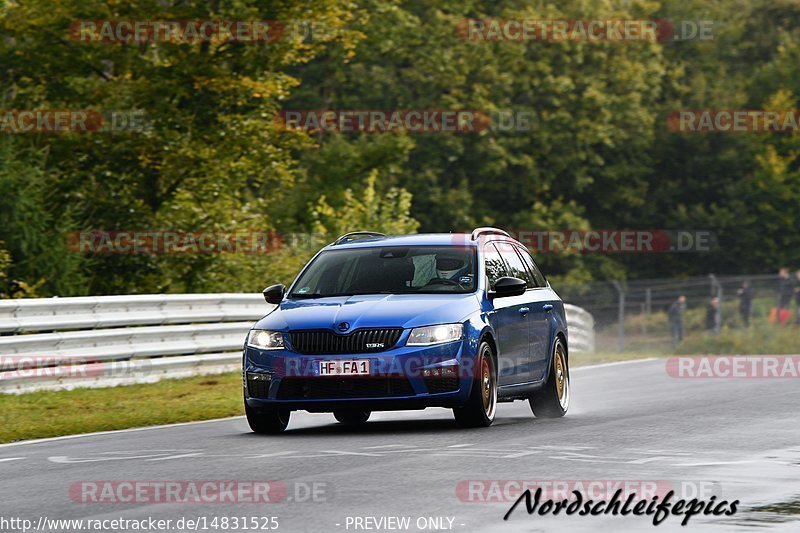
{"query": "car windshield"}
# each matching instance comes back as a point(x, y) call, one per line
point(389, 270)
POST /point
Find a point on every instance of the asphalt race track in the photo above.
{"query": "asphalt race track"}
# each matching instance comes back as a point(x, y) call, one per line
point(732, 438)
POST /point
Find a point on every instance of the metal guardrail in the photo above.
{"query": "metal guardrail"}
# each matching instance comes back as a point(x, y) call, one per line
point(65, 343)
point(580, 324)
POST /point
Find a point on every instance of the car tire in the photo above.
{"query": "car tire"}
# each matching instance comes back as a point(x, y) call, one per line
point(352, 417)
point(267, 421)
point(552, 400)
point(482, 403)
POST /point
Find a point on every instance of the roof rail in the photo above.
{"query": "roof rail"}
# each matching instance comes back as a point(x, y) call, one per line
point(477, 232)
point(347, 237)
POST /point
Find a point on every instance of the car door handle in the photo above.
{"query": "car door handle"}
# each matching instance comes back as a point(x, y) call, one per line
point(547, 307)
point(524, 310)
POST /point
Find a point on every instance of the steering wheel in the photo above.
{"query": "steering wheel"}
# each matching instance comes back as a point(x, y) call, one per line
point(444, 281)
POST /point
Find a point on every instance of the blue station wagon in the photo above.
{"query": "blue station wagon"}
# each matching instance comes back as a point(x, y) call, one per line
point(376, 323)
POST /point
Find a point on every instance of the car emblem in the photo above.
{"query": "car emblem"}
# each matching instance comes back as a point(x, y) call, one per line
point(343, 326)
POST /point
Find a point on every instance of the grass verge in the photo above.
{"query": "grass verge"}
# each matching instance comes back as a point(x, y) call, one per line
point(55, 413)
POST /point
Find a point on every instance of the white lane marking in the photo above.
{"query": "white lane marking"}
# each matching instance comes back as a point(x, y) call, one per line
point(459, 445)
point(414, 450)
point(718, 463)
point(520, 454)
point(575, 448)
point(248, 455)
point(660, 452)
point(340, 452)
point(649, 460)
point(6, 459)
point(276, 454)
point(615, 363)
point(481, 456)
point(65, 459)
point(586, 458)
point(498, 455)
point(176, 456)
point(134, 452)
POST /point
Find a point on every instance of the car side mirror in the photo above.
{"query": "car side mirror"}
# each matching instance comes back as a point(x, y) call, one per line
point(508, 286)
point(274, 293)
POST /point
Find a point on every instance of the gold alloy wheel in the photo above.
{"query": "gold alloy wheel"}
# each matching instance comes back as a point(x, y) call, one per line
point(562, 379)
point(488, 389)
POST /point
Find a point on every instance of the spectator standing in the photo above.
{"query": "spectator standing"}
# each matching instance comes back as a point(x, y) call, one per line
point(785, 290)
point(746, 295)
point(675, 314)
point(712, 315)
point(797, 296)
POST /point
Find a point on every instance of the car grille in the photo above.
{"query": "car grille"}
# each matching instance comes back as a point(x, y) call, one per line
point(437, 384)
point(324, 342)
point(322, 388)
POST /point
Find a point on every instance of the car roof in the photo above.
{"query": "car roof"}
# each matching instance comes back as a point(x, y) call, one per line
point(418, 239)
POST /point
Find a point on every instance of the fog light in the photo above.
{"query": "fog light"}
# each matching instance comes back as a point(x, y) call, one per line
point(440, 372)
point(258, 384)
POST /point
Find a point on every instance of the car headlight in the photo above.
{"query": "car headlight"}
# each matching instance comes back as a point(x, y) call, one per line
point(264, 339)
point(435, 334)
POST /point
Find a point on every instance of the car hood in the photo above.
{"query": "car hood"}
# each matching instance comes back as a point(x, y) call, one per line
point(370, 310)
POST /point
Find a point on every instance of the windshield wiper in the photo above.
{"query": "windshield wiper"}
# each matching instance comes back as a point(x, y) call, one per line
point(332, 295)
point(319, 295)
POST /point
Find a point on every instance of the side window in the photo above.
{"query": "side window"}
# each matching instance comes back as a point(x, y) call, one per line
point(495, 267)
point(516, 267)
point(538, 277)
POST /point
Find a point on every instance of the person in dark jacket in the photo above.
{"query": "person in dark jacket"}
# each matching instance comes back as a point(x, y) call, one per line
point(712, 315)
point(675, 314)
point(797, 296)
point(746, 295)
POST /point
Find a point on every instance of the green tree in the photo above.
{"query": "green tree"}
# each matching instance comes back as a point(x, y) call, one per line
point(370, 212)
point(592, 107)
point(211, 158)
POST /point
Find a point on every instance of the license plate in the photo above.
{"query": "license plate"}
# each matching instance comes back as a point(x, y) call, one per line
point(347, 367)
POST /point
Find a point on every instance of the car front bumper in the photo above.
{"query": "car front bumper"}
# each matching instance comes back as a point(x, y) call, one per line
point(400, 378)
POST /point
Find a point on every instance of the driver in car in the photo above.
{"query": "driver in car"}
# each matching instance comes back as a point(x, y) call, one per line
point(453, 269)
